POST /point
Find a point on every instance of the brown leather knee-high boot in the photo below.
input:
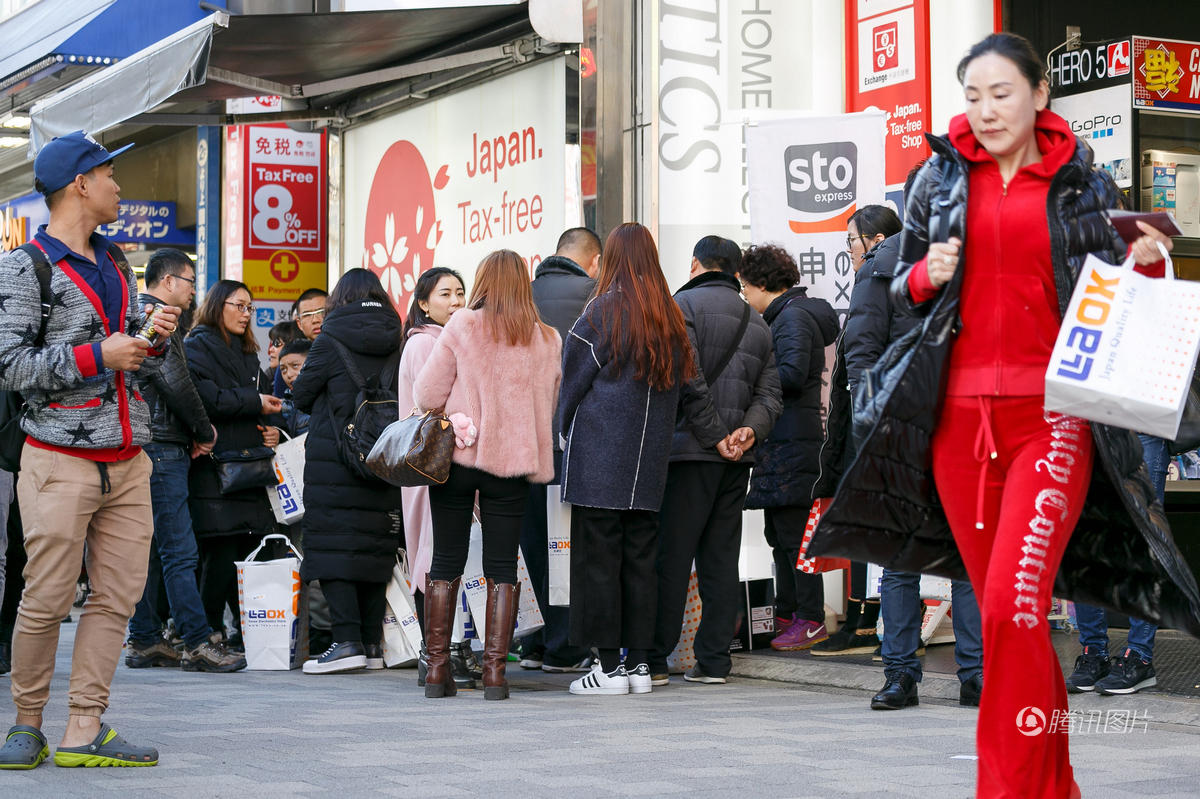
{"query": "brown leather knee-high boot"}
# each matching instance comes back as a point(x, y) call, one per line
point(441, 597)
point(501, 617)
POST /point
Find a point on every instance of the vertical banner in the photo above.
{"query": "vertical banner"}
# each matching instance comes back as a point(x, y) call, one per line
point(208, 207)
point(451, 180)
point(806, 178)
point(887, 67)
point(232, 202)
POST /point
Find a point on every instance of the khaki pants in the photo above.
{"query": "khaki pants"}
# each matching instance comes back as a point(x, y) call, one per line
point(62, 508)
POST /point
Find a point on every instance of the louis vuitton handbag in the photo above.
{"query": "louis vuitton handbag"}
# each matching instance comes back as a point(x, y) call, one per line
point(414, 451)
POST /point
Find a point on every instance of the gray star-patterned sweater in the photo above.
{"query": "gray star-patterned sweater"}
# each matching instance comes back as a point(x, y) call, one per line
point(73, 404)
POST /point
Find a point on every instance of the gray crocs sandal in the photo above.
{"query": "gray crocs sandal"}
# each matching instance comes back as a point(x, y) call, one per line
point(24, 748)
point(107, 749)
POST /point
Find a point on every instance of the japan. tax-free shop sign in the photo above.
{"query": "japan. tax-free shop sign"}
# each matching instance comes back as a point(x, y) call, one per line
point(451, 180)
point(887, 67)
point(275, 210)
point(1166, 74)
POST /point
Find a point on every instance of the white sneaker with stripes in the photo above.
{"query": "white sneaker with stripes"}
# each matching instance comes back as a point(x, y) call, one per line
point(640, 681)
point(597, 683)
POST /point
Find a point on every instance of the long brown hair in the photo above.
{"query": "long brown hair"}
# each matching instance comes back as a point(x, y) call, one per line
point(212, 312)
point(503, 293)
point(644, 325)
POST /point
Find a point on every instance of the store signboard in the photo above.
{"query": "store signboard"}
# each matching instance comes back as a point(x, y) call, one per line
point(275, 210)
point(721, 63)
point(1166, 74)
point(451, 180)
point(20, 219)
point(147, 222)
point(1103, 118)
point(1094, 65)
point(887, 60)
point(806, 178)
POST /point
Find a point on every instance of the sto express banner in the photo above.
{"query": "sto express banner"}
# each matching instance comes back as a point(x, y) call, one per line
point(806, 178)
point(451, 180)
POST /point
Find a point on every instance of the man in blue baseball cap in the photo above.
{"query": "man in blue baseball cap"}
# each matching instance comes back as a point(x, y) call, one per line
point(84, 477)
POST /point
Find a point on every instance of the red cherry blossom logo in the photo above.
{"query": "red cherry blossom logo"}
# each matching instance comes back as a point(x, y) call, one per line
point(401, 231)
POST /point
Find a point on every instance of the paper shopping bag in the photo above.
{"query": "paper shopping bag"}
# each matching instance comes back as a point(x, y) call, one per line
point(558, 539)
point(1126, 349)
point(401, 630)
point(817, 565)
point(474, 584)
point(931, 587)
point(274, 612)
point(287, 495)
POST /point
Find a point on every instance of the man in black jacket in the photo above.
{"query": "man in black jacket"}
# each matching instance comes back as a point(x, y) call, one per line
point(179, 428)
point(731, 404)
point(562, 286)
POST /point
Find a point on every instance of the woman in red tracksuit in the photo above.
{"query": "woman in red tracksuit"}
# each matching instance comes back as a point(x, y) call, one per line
point(1012, 478)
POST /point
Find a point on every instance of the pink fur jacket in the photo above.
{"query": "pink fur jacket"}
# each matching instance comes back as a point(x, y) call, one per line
point(508, 392)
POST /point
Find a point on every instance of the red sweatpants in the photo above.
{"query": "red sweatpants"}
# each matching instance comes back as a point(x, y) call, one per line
point(1012, 480)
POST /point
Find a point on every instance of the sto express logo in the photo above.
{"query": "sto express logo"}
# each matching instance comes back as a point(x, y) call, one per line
point(822, 185)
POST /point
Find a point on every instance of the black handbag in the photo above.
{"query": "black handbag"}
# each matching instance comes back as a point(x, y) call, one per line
point(240, 469)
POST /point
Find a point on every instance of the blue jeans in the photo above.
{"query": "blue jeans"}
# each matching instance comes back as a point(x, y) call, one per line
point(1092, 622)
point(903, 611)
point(174, 545)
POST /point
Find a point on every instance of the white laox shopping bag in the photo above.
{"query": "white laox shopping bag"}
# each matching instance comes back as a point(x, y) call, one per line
point(1126, 349)
point(558, 539)
point(529, 615)
point(274, 612)
point(401, 630)
point(287, 496)
point(931, 587)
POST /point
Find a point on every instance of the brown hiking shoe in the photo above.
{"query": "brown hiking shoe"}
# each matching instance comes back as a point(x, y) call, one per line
point(159, 653)
point(210, 656)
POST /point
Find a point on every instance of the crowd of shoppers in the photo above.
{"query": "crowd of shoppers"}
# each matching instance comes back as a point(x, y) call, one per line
point(662, 417)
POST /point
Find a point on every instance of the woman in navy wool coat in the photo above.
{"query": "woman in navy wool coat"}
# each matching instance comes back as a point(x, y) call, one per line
point(623, 365)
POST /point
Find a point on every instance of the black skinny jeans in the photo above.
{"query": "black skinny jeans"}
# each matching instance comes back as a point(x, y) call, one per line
point(501, 513)
point(356, 609)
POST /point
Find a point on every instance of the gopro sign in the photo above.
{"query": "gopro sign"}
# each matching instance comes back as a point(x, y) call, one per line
point(821, 178)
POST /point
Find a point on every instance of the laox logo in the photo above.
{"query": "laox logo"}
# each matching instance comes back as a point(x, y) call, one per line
point(266, 614)
point(821, 178)
point(1084, 336)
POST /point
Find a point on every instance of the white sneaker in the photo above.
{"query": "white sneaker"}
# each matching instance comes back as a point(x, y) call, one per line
point(597, 682)
point(639, 679)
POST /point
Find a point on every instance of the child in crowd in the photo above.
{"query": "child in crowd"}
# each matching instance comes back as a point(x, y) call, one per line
point(291, 361)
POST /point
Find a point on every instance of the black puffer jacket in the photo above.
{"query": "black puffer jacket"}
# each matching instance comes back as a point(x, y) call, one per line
point(351, 527)
point(874, 321)
point(560, 290)
point(746, 393)
point(229, 382)
point(786, 463)
point(176, 411)
point(1121, 554)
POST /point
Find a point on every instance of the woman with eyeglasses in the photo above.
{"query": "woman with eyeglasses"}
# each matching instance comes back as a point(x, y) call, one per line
point(223, 360)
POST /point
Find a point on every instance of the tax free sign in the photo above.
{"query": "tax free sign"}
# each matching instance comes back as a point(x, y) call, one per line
point(275, 210)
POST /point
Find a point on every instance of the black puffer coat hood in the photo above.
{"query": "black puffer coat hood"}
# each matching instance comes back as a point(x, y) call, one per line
point(786, 464)
point(1121, 554)
point(352, 528)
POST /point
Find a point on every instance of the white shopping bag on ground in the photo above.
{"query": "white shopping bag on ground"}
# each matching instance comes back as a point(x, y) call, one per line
point(683, 657)
point(274, 611)
point(1126, 349)
point(401, 630)
point(287, 496)
point(529, 615)
point(558, 539)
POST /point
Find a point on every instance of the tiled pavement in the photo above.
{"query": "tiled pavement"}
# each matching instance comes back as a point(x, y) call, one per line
point(275, 734)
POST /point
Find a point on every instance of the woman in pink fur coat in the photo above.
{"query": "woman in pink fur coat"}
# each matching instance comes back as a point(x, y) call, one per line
point(496, 364)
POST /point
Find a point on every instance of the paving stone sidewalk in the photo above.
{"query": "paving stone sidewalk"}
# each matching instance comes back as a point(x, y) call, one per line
point(285, 734)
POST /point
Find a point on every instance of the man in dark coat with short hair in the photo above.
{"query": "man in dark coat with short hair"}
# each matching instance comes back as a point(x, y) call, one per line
point(562, 286)
point(733, 403)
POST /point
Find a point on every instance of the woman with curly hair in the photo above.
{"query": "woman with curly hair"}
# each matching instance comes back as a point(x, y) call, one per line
point(789, 460)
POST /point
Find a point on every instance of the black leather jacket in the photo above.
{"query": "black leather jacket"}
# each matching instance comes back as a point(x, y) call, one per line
point(176, 413)
point(886, 510)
